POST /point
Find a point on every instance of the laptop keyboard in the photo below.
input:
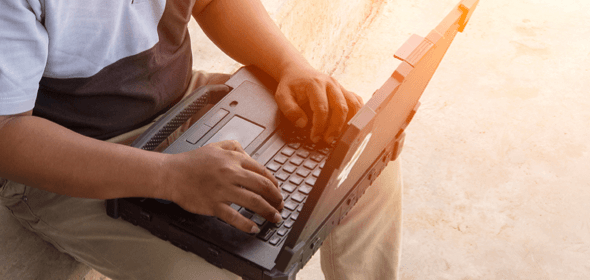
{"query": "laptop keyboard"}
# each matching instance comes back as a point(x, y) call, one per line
point(296, 166)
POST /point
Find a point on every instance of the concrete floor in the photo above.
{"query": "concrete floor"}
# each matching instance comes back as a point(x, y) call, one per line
point(495, 162)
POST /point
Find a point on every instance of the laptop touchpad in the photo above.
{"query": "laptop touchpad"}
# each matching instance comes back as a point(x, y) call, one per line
point(237, 129)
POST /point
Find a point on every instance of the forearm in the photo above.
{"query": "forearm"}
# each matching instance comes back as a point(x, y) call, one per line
point(44, 155)
point(244, 30)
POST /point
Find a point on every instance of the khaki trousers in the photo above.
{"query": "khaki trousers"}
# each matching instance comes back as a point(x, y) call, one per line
point(366, 245)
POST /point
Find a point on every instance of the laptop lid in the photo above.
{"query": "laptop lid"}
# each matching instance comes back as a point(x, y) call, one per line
point(382, 120)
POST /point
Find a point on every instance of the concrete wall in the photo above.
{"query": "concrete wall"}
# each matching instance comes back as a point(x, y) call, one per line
point(323, 31)
point(496, 160)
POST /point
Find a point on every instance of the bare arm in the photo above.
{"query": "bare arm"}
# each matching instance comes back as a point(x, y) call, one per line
point(44, 155)
point(244, 30)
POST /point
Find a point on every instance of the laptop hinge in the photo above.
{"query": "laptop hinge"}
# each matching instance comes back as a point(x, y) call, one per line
point(285, 257)
point(275, 274)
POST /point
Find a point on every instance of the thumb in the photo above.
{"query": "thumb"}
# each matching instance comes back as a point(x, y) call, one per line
point(230, 145)
point(289, 106)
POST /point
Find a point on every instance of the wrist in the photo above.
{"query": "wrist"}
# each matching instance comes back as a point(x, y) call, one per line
point(292, 65)
point(163, 172)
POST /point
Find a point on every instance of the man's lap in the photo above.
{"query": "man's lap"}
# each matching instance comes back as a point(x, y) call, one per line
point(116, 248)
point(366, 242)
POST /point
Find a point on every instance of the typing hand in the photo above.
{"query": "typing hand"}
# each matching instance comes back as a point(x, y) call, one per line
point(207, 180)
point(331, 105)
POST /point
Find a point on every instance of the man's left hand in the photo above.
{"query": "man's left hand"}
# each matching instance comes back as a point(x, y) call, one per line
point(331, 105)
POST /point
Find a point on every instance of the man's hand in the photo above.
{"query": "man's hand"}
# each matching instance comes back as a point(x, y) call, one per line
point(207, 180)
point(331, 105)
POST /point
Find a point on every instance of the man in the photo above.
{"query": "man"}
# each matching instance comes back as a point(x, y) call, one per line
point(74, 74)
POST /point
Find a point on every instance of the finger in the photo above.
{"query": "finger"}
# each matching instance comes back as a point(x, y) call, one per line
point(354, 103)
point(232, 217)
point(318, 102)
point(289, 106)
point(230, 145)
point(249, 163)
point(256, 203)
point(360, 99)
point(339, 112)
point(261, 186)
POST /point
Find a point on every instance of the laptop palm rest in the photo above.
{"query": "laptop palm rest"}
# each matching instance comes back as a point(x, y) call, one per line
point(252, 129)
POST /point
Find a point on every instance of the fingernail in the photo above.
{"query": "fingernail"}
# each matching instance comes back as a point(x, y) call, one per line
point(300, 123)
point(255, 230)
point(278, 218)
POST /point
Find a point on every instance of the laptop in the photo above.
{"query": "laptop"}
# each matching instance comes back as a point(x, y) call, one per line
point(320, 182)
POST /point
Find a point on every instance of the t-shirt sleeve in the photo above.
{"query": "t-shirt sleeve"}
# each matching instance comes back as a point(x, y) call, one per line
point(23, 54)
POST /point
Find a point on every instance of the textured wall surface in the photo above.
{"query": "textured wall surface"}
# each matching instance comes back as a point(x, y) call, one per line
point(495, 162)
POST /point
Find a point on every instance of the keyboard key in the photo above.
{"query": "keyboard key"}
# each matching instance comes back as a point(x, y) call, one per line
point(296, 180)
point(310, 164)
point(289, 187)
point(282, 175)
point(294, 145)
point(291, 205)
point(278, 225)
point(295, 215)
point(285, 214)
point(289, 168)
point(324, 151)
point(301, 138)
point(305, 189)
point(246, 213)
point(289, 223)
point(298, 197)
point(288, 151)
point(235, 206)
point(274, 240)
point(258, 219)
point(311, 181)
point(303, 153)
point(281, 159)
point(303, 172)
point(273, 166)
point(282, 231)
point(299, 208)
point(310, 146)
point(316, 173)
point(322, 164)
point(285, 195)
point(266, 233)
point(296, 160)
point(317, 157)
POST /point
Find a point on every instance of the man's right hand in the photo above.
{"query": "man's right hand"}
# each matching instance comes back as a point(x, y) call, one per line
point(207, 180)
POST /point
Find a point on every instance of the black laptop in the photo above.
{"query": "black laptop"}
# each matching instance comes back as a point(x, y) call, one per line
point(319, 182)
